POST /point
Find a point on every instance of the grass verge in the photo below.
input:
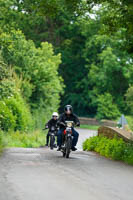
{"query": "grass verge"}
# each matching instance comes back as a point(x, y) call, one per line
point(115, 148)
point(130, 122)
point(90, 127)
point(1, 142)
point(26, 140)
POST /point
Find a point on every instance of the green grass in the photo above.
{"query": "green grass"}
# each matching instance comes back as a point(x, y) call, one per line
point(130, 121)
point(26, 140)
point(90, 127)
point(1, 142)
point(115, 148)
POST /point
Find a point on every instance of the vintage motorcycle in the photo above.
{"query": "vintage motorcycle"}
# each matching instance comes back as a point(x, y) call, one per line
point(52, 133)
point(67, 139)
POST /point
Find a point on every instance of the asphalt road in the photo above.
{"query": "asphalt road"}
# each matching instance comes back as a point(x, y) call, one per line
point(42, 174)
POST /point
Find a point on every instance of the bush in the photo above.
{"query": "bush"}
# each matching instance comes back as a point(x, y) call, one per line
point(128, 154)
point(7, 119)
point(21, 112)
point(115, 148)
point(7, 88)
point(129, 99)
point(130, 121)
point(14, 115)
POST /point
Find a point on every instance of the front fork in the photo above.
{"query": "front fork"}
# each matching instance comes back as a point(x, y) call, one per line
point(65, 137)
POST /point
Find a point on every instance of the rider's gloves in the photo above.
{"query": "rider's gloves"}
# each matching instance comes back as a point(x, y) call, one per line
point(78, 124)
point(62, 123)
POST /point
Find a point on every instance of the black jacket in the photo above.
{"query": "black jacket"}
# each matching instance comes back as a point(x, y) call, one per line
point(63, 117)
point(51, 123)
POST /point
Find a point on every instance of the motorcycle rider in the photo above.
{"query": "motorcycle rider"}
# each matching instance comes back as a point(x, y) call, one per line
point(68, 115)
point(52, 122)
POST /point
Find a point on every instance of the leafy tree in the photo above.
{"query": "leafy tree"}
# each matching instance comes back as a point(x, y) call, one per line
point(7, 85)
point(115, 15)
point(35, 74)
point(108, 66)
point(14, 113)
point(96, 53)
point(37, 65)
point(106, 108)
point(74, 72)
point(39, 20)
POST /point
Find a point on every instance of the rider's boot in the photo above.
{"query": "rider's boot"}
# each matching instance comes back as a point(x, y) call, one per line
point(74, 148)
point(59, 148)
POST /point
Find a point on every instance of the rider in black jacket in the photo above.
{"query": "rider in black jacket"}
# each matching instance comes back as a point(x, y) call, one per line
point(49, 124)
point(68, 115)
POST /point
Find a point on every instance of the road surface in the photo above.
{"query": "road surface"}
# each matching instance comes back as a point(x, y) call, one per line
point(42, 174)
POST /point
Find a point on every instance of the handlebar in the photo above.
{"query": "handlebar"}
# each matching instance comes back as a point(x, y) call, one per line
point(62, 123)
point(73, 124)
point(44, 129)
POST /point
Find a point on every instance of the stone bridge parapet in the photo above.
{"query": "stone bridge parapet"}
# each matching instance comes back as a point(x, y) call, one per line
point(110, 132)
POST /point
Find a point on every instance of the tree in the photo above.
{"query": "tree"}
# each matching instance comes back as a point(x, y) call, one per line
point(108, 66)
point(115, 15)
point(37, 67)
point(96, 52)
point(106, 108)
point(14, 112)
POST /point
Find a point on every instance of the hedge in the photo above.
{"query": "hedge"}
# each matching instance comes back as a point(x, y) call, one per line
point(115, 148)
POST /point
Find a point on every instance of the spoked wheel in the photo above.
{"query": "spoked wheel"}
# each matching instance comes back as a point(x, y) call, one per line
point(64, 154)
point(68, 147)
point(52, 142)
point(67, 155)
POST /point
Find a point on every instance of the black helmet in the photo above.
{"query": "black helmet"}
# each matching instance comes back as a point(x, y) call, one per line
point(68, 107)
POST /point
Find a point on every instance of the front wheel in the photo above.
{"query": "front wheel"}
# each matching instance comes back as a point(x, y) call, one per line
point(52, 142)
point(68, 147)
point(64, 154)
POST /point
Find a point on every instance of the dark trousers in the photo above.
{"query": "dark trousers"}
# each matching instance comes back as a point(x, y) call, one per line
point(75, 137)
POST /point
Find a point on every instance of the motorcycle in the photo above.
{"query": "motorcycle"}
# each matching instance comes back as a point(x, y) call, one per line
point(67, 139)
point(52, 133)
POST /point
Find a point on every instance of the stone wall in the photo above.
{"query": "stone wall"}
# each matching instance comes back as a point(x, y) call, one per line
point(93, 121)
point(89, 121)
point(110, 132)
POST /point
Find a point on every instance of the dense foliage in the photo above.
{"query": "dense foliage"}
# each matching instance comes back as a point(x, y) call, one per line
point(91, 49)
point(33, 80)
point(115, 148)
point(106, 108)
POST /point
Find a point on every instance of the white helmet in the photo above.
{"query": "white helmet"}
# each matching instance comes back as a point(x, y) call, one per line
point(55, 114)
